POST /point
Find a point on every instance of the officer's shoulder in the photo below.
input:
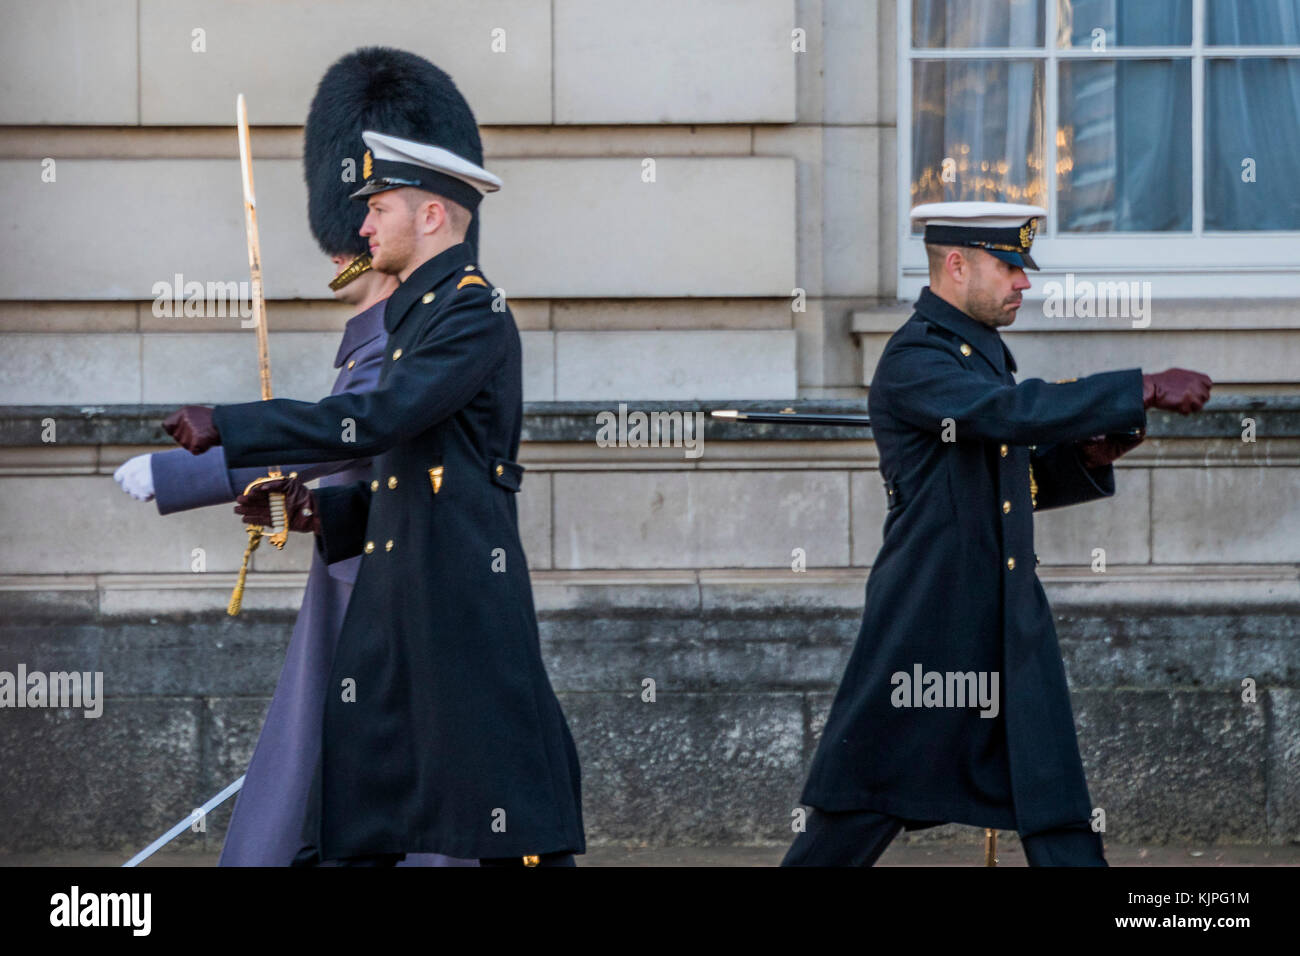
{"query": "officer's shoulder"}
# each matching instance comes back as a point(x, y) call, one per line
point(918, 331)
point(467, 284)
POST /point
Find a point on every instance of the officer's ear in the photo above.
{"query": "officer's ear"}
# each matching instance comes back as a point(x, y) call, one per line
point(428, 210)
point(959, 265)
point(942, 266)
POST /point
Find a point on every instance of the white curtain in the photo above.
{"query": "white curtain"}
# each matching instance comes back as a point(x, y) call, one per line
point(1125, 126)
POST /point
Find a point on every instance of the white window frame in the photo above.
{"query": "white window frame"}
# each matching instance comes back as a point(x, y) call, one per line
point(1196, 264)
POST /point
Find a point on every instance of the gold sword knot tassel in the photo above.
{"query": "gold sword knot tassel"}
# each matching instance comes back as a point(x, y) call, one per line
point(237, 596)
point(278, 537)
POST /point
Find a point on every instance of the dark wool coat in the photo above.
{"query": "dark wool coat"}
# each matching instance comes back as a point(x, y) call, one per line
point(954, 590)
point(441, 731)
point(266, 826)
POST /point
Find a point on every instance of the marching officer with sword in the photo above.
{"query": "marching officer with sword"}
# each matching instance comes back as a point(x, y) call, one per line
point(441, 732)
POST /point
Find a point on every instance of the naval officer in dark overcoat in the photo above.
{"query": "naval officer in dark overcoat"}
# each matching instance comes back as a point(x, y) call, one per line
point(441, 731)
point(954, 705)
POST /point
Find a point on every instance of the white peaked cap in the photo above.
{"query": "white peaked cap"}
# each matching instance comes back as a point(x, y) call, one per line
point(994, 215)
point(397, 150)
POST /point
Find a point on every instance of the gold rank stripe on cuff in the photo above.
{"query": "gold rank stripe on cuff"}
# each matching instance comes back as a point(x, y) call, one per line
point(471, 280)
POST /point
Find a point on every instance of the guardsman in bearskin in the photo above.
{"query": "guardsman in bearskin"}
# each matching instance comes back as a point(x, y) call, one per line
point(954, 706)
point(441, 732)
point(355, 93)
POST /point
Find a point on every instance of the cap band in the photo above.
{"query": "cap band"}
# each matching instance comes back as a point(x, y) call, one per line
point(391, 174)
point(1012, 239)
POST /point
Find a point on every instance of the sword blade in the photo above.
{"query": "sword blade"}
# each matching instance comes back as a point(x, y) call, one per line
point(175, 831)
point(279, 532)
point(254, 246)
point(793, 418)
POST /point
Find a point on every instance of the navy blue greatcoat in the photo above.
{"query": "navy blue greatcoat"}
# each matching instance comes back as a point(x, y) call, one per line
point(954, 589)
point(266, 827)
point(441, 730)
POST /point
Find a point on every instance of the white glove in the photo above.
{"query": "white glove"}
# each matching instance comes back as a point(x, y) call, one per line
point(136, 478)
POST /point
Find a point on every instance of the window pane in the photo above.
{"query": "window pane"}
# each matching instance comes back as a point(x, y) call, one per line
point(1252, 138)
point(1124, 146)
point(1123, 23)
point(977, 130)
point(1252, 23)
point(959, 24)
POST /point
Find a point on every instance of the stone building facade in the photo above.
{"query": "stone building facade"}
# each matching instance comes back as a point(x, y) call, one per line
point(703, 207)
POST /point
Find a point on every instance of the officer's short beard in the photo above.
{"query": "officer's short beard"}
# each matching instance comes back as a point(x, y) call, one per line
point(983, 306)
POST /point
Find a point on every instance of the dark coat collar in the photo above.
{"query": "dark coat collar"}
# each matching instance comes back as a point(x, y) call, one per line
point(424, 279)
point(980, 336)
point(361, 328)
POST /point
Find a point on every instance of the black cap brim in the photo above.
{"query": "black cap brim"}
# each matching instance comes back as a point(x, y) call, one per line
point(373, 186)
point(1022, 259)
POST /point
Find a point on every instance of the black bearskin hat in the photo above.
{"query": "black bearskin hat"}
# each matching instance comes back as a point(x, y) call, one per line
point(384, 89)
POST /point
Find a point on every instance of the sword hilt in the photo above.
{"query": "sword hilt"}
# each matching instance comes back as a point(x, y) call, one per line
point(278, 532)
point(279, 524)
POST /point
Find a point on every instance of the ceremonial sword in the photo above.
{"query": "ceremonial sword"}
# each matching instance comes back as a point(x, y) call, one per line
point(790, 416)
point(175, 831)
point(279, 526)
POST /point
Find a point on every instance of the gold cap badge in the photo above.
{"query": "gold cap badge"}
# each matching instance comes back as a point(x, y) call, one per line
point(367, 165)
point(1027, 234)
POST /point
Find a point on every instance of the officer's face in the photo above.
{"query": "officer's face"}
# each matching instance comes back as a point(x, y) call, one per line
point(390, 227)
point(995, 289)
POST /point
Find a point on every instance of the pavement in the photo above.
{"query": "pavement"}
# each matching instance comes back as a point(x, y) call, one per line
point(900, 854)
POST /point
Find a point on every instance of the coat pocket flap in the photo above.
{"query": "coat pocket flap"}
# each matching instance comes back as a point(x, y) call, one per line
point(506, 473)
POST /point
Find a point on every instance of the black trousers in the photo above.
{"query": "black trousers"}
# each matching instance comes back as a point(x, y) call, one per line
point(858, 837)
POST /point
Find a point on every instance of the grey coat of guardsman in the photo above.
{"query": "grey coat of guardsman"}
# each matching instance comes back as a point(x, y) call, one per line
point(441, 729)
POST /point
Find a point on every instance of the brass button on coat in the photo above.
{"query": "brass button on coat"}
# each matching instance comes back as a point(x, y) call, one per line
point(388, 545)
point(427, 298)
point(1003, 451)
point(501, 470)
point(1011, 564)
point(397, 353)
point(374, 485)
point(352, 363)
point(965, 350)
point(1006, 507)
point(370, 547)
point(392, 481)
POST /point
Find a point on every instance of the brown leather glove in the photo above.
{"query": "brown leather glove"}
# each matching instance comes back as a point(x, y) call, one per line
point(299, 505)
point(1102, 450)
point(192, 427)
point(1176, 390)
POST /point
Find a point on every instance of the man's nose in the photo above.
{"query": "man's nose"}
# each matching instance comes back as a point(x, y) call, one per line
point(1021, 282)
point(367, 227)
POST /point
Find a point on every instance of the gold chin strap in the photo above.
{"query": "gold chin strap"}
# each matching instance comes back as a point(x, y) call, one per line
point(354, 268)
